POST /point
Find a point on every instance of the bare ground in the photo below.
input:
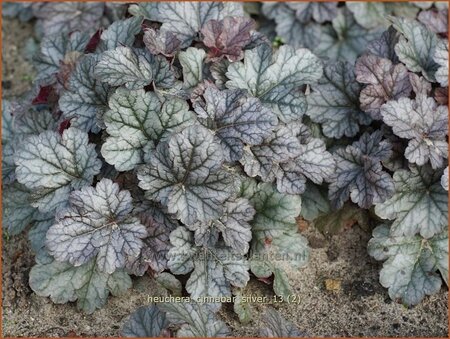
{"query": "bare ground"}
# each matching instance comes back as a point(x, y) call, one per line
point(354, 304)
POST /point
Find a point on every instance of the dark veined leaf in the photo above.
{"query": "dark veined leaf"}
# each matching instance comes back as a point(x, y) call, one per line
point(319, 11)
point(195, 320)
point(384, 47)
point(384, 81)
point(213, 270)
point(235, 118)
point(334, 102)
point(233, 225)
point(145, 322)
point(192, 62)
point(63, 283)
point(419, 204)
point(97, 227)
point(17, 210)
point(186, 19)
point(441, 58)
point(123, 66)
point(52, 165)
point(161, 42)
point(410, 269)
point(85, 98)
point(314, 202)
point(276, 77)
point(227, 37)
point(185, 174)
point(275, 326)
point(435, 20)
point(424, 123)
point(54, 50)
point(120, 33)
point(344, 39)
point(135, 121)
point(69, 16)
point(416, 47)
point(359, 174)
point(295, 30)
point(156, 245)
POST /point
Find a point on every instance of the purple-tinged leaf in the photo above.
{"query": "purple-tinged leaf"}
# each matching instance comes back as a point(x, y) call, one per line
point(97, 226)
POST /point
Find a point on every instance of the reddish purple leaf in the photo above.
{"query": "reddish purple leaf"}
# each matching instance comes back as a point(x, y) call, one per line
point(227, 37)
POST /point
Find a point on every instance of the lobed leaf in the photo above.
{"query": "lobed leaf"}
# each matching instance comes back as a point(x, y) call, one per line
point(275, 78)
point(185, 175)
point(424, 123)
point(52, 165)
point(97, 226)
point(410, 269)
point(419, 204)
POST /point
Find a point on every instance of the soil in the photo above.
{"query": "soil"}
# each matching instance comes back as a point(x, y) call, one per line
point(338, 291)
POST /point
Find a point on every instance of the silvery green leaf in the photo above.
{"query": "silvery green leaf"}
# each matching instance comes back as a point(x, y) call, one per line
point(241, 307)
point(124, 66)
point(120, 33)
point(185, 175)
point(369, 14)
point(52, 165)
point(275, 77)
point(410, 269)
point(163, 72)
point(97, 226)
point(435, 20)
point(156, 245)
point(319, 11)
point(37, 233)
point(419, 204)
point(444, 179)
point(313, 163)
point(214, 269)
point(424, 123)
point(69, 16)
point(137, 119)
point(63, 282)
point(8, 166)
point(227, 37)
point(262, 160)
point(170, 282)
point(54, 48)
point(236, 119)
point(233, 225)
point(359, 174)
point(441, 57)
point(384, 47)
point(17, 210)
point(275, 230)
point(146, 9)
point(85, 97)
point(344, 39)
point(314, 202)
point(384, 81)
point(275, 326)
point(192, 62)
point(195, 320)
point(161, 42)
point(145, 322)
point(281, 286)
point(416, 48)
point(186, 19)
point(290, 26)
point(334, 102)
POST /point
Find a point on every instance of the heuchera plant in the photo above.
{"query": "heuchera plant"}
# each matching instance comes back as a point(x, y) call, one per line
point(179, 139)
